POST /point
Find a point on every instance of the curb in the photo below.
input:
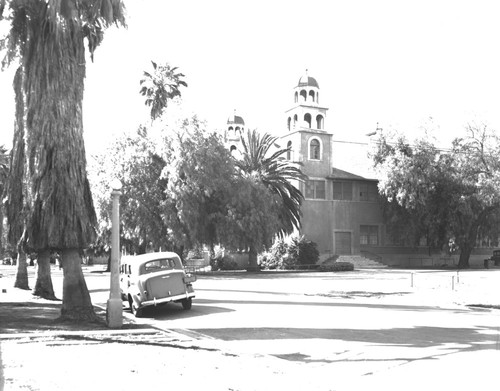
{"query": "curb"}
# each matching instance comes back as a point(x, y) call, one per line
point(57, 333)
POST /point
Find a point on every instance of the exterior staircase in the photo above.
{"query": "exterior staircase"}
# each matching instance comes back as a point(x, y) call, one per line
point(361, 262)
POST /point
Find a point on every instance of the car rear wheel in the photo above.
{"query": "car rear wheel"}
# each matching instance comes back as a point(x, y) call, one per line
point(135, 310)
point(187, 303)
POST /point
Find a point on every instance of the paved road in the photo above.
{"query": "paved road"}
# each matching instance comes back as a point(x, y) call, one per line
point(361, 323)
point(365, 325)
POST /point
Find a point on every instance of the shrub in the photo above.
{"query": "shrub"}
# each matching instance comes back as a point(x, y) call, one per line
point(228, 264)
point(264, 261)
point(195, 253)
point(303, 251)
point(274, 259)
point(337, 267)
point(283, 255)
point(223, 262)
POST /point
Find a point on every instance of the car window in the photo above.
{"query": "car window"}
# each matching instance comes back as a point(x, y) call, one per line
point(158, 265)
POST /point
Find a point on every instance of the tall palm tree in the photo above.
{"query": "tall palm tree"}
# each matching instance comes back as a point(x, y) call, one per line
point(159, 86)
point(4, 172)
point(48, 38)
point(263, 160)
point(16, 185)
point(4, 166)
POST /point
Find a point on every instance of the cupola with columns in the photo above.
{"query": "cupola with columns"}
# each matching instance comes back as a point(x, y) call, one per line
point(306, 112)
point(234, 129)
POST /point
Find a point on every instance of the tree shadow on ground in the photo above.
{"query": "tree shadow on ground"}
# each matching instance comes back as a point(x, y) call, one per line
point(415, 337)
point(399, 307)
point(43, 315)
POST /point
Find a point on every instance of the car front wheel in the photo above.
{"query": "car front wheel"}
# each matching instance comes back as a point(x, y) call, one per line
point(187, 303)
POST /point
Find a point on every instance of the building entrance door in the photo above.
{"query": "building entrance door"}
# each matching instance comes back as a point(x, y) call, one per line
point(342, 243)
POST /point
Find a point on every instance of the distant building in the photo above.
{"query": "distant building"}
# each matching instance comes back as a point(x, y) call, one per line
point(342, 212)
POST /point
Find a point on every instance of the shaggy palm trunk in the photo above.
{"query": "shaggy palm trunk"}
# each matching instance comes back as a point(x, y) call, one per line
point(15, 208)
point(61, 213)
point(1, 228)
point(253, 265)
point(22, 271)
point(43, 285)
point(76, 298)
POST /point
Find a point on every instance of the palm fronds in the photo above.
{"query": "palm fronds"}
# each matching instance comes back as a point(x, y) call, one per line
point(87, 17)
point(277, 174)
point(160, 86)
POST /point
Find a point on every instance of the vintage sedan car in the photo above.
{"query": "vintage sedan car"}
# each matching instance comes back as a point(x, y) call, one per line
point(153, 279)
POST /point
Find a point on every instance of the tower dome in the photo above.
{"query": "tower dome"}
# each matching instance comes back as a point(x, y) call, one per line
point(235, 120)
point(307, 90)
point(235, 125)
point(307, 81)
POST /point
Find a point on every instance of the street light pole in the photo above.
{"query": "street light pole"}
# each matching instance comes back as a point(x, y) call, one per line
point(114, 305)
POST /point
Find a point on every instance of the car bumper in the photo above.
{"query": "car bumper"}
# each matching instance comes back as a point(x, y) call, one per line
point(167, 299)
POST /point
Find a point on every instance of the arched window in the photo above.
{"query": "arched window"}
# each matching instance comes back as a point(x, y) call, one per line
point(319, 121)
point(230, 129)
point(289, 152)
point(237, 129)
point(307, 120)
point(311, 94)
point(303, 95)
point(295, 119)
point(296, 97)
point(232, 149)
point(314, 149)
point(288, 124)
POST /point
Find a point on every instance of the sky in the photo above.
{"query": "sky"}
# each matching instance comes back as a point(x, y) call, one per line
point(404, 65)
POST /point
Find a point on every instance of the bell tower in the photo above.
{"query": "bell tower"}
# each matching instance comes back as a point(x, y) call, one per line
point(234, 129)
point(305, 133)
point(306, 113)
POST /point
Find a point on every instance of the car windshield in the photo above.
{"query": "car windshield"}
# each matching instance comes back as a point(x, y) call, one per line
point(158, 265)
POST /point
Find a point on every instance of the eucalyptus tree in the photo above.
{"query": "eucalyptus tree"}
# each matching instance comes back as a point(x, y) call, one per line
point(48, 39)
point(265, 164)
point(442, 195)
point(200, 174)
point(159, 86)
point(132, 159)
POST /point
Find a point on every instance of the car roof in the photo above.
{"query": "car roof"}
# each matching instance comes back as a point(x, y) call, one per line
point(138, 259)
